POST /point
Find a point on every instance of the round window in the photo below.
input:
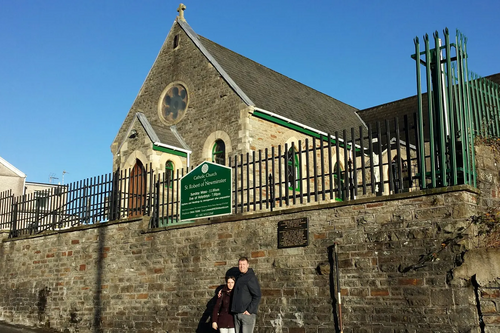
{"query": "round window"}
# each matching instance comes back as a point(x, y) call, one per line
point(173, 103)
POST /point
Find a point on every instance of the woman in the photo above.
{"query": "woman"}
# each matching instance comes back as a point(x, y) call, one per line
point(222, 319)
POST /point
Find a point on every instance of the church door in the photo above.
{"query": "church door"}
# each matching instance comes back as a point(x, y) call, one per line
point(137, 190)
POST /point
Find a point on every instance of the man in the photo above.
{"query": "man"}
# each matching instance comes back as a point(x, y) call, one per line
point(246, 298)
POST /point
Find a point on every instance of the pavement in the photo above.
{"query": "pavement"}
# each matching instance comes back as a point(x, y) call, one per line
point(8, 328)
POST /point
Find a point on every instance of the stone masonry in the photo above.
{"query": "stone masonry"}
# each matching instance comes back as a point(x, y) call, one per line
point(395, 258)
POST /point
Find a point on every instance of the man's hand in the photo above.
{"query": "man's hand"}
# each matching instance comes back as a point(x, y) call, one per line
point(246, 313)
point(214, 325)
point(219, 294)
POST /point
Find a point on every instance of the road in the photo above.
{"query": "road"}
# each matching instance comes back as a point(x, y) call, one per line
point(6, 328)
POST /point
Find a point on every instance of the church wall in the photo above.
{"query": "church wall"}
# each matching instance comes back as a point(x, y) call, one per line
point(9, 180)
point(139, 147)
point(213, 105)
point(14, 183)
point(265, 134)
point(121, 277)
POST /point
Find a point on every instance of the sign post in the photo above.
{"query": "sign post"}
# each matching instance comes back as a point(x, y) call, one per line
point(206, 192)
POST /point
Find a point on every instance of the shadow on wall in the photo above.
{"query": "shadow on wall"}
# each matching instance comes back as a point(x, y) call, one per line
point(334, 276)
point(42, 304)
point(205, 323)
point(97, 320)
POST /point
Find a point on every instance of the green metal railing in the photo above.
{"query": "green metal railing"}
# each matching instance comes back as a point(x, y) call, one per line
point(457, 106)
point(485, 105)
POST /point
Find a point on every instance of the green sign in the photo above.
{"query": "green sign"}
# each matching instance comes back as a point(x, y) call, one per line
point(206, 191)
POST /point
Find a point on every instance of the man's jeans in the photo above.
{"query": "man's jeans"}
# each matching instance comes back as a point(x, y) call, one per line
point(244, 323)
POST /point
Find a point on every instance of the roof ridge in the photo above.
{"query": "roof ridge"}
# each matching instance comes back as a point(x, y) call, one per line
point(183, 143)
point(389, 103)
point(147, 127)
point(489, 77)
point(12, 167)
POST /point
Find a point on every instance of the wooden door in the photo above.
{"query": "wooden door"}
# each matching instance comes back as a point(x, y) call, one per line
point(137, 190)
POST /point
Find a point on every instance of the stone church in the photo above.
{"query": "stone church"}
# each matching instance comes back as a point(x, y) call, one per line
point(203, 102)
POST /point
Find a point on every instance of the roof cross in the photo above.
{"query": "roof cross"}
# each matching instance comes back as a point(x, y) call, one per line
point(181, 10)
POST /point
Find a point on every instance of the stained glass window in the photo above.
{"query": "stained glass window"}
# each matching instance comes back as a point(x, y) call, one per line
point(174, 104)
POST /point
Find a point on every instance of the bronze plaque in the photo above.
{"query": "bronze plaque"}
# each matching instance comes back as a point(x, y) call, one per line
point(293, 233)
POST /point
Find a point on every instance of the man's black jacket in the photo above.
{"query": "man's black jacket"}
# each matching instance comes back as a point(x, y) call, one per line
point(246, 293)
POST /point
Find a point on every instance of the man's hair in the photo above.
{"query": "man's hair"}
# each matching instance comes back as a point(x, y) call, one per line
point(243, 259)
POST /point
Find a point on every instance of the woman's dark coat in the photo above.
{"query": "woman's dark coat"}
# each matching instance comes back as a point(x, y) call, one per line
point(221, 314)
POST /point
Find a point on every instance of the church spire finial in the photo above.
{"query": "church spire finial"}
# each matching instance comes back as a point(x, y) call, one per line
point(181, 10)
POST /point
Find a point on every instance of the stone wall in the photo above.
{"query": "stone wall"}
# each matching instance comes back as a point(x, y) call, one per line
point(481, 265)
point(396, 258)
point(213, 105)
point(482, 268)
point(488, 174)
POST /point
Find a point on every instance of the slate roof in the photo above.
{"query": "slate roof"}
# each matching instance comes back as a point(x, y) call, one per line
point(495, 78)
point(271, 91)
point(400, 108)
point(169, 136)
point(162, 136)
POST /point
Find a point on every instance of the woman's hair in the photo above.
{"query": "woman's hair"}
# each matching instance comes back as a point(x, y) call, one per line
point(230, 277)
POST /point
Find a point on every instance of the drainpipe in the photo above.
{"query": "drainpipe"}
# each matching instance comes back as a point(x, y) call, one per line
point(339, 296)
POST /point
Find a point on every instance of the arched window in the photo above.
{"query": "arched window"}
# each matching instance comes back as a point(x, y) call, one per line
point(219, 152)
point(169, 173)
point(292, 169)
point(339, 182)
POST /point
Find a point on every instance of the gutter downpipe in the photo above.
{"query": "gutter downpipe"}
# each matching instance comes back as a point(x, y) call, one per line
point(339, 294)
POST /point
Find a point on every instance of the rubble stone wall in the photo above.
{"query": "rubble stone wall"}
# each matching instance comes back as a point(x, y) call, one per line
point(396, 260)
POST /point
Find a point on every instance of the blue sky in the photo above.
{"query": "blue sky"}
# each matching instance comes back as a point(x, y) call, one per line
point(70, 70)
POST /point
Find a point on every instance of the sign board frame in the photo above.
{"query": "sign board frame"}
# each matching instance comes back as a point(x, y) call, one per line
point(206, 191)
point(293, 233)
